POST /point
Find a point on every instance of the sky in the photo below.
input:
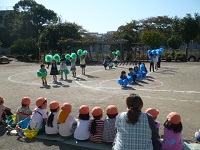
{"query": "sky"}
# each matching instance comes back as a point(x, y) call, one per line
point(107, 15)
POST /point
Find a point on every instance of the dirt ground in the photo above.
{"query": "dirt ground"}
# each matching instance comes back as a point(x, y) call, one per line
point(174, 87)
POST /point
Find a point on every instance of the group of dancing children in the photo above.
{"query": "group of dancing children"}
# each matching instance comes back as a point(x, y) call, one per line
point(63, 69)
point(113, 129)
point(138, 72)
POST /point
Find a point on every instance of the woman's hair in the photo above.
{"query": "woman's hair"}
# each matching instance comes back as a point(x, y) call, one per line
point(84, 117)
point(133, 102)
point(177, 128)
point(51, 117)
point(94, 124)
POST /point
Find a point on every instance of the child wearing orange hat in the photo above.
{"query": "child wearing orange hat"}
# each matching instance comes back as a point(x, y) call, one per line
point(109, 130)
point(154, 113)
point(4, 111)
point(96, 125)
point(39, 115)
point(51, 127)
point(172, 132)
point(23, 111)
point(83, 122)
point(66, 120)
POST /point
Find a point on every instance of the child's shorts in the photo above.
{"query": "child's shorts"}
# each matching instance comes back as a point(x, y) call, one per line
point(73, 69)
point(82, 66)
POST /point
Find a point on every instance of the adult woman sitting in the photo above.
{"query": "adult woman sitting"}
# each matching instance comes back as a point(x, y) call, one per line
point(135, 130)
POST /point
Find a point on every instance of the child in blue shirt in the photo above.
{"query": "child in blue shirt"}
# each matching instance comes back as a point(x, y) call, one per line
point(123, 80)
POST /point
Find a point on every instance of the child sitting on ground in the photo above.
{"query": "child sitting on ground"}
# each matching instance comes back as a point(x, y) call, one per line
point(66, 120)
point(197, 136)
point(83, 122)
point(123, 80)
point(131, 75)
point(23, 111)
point(96, 125)
point(105, 63)
point(5, 112)
point(154, 113)
point(109, 130)
point(172, 132)
point(39, 115)
point(51, 127)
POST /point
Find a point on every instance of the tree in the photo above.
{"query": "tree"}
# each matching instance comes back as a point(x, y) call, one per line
point(152, 38)
point(187, 28)
point(28, 19)
point(160, 23)
point(174, 42)
point(62, 34)
point(24, 47)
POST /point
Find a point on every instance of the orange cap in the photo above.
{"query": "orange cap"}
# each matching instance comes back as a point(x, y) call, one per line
point(152, 111)
point(174, 118)
point(26, 101)
point(97, 111)
point(40, 101)
point(66, 107)
point(84, 110)
point(112, 110)
point(1, 99)
point(54, 105)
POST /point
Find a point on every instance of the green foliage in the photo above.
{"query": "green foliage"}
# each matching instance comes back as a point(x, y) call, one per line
point(166, 54)
point(24, 47)
point(179, 55)
point(152, 38)
point(174, 42)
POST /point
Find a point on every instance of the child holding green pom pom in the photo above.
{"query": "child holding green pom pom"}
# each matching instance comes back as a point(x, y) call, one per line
point(73, 66)
point(83, 63)
point(43, 74)
point(54, 71)
point(63, 68)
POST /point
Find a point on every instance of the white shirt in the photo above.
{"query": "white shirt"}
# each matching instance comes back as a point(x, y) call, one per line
point(63, 66)
point(37, 118)
point(155, 59)
point(82, 131)
point(65, 129)
point(54, 129)
point(82, 61)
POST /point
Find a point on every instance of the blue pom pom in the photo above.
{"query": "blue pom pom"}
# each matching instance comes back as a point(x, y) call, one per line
point(125, 82)
point(130, 78)
point(120, 81)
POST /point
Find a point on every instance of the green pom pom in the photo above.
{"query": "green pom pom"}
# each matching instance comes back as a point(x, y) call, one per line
point(67, 56)
point(56, 57)
point(39, 74)
point(44, 74)
point(117, 52)
point(80, 52)
point(66, 71)
point(48, 58)
point(59, 72)
point(73, 55)
point(113, 53)
point(85, 52)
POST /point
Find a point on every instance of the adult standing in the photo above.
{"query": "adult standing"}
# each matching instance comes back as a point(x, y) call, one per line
point(151, 62)
point(135, 130)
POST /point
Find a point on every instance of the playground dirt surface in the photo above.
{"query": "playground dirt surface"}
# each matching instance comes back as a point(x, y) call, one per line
point(174, 87)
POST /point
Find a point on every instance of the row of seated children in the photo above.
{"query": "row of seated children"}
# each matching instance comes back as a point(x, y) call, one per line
point(96, 130)
point(62, 122)
point(137, 73)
